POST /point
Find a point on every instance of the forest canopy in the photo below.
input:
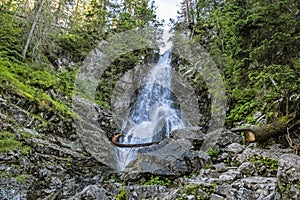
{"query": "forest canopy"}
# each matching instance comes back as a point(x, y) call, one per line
point(255, 44)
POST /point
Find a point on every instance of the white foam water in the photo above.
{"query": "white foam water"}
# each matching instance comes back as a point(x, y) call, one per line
point(153, 115)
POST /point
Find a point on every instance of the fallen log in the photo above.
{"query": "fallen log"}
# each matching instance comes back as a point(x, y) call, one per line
point(116, 137)
point(264, 132)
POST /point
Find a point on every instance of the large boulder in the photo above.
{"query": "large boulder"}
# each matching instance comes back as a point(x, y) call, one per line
point(173, 156)
point(289, 176)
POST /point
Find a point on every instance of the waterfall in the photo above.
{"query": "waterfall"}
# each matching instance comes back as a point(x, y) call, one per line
point(153, 115)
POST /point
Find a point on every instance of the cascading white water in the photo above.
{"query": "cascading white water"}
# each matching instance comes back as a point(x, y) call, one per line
point(153, 115)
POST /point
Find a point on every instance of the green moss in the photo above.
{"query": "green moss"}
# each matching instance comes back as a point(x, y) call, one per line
point(157, 180)
point(25, 150)
point(69, 161)
point(208, 166)
point(26, 135)
point(9, 142)
point(285, 187)
point(269, 163)
point(22, 178)
point(122, 194)
point(195, 173)
point(236, 163)
point(33, 82)
point(209, 189)
point(194, 189)
point(213, 153)
point(7, 145)
point(114, 178)
point(228, 158)
point(6, 174)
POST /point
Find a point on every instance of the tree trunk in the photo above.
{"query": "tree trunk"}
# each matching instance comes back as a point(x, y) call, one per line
point(261, 133)
point(32, 29)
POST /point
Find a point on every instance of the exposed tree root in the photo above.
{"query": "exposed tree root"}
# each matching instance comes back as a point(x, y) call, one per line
point(116, 137)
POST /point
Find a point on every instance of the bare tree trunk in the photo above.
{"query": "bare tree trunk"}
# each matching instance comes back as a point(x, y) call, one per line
point(32, 29)
point(272, 130)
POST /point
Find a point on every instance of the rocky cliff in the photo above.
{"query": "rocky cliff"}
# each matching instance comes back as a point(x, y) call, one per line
point(42, 158)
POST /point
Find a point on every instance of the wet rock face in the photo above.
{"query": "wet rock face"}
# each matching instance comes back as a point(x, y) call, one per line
point(173, 156)
point(92, 135)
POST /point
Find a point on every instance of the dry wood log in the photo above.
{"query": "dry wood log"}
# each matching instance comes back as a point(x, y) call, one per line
point(264, 132)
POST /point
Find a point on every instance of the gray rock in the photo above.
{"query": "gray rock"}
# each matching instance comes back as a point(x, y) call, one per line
point(168, 158)
point(55, 183)
point(193, 134)
point(225, 178)
point(288, 175)
point(247, 168)
point(190, 197)
point(291, 193)
point(31, 131)
point(173, 156)
point(219, 139)
point(235, 148)
point(197, 159)
point(229, 176)
point(93, 137)
point(236, 193)
point(262, 188)
point(92, 192)
point(289, 168)
point(224, 156)
point(221, 167)
point(146, 192)
point(274, 152)
point(215, 197)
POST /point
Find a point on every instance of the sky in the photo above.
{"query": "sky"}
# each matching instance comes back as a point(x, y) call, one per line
point(167, 9)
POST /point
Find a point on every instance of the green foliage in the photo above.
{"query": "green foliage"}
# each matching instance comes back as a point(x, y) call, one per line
point(255, 62)
point(243, 135)
point(115, 178)
point(213, 153)
point(193, 189)
point(22, 178)
point(111, 75)
point(8, 142)
point(33, 82)
point(208, 166)
point(10, 35)
point(73, 46)
point(51, 43)
point(228, 159)
point(269, 163)
point(7, 145)
point(285, 187)
point(256, 44)
point(122, 194)
point(69, 161)
point(157, 180)
point(195, 173)
point(136, 14)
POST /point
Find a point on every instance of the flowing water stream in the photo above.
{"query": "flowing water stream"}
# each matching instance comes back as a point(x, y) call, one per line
point(153, 115)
